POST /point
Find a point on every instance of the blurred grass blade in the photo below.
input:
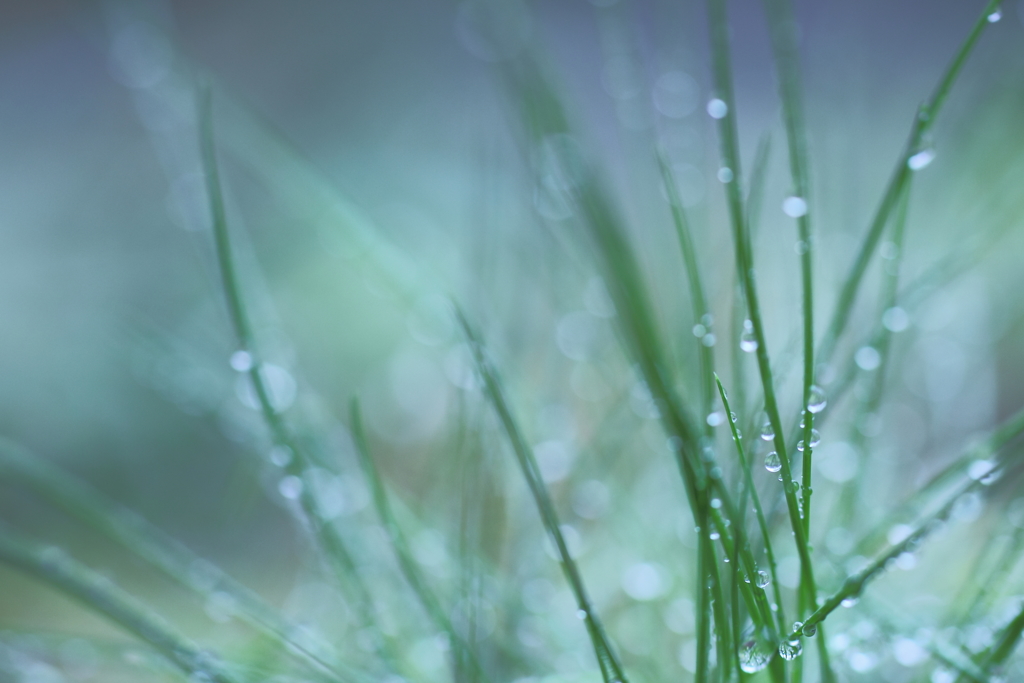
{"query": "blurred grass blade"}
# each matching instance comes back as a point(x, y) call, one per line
point(611, 668)
point(328, 539)
point(149, 543)
point(410, 569)
point(56, 568)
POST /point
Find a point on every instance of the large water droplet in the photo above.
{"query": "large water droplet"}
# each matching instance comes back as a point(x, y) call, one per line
point(753, 657)
point(791, 649)
point(762, 579)
point(921, 159)
point(772, 462)
point(794, 207)
point(767, 431)
point(817, 401)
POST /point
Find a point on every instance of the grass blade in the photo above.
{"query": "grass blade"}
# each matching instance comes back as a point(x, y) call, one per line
point(608, 661)
point(59, 570)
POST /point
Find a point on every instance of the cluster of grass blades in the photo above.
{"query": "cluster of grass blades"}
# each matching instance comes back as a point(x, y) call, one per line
point(750, 621)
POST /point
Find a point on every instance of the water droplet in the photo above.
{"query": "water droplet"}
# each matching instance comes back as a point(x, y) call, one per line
point(849, 602)
point(707, 320)
point(794, 207)
point(794, 485)
point(800, 248)
point(581, 614)
point(815, 440)
point(725, 175)
point(772, 462)
point(241, 361)
point(290, 487)
point(748, 342)
point(921, 159)
point(867, 358)
point(895, 319)
point(791, 649)
point(716, 503)
point(979, 469)
point(767, 432)
point(762, 578)
point(810, 630)
point(817, 401)
point(995, 16)
point(708, 339)
point(280, 456)
point(716, 418)
point(797, 626)
point(753, 657)
point(717, 109)
point(714, 535)
point(699, 330)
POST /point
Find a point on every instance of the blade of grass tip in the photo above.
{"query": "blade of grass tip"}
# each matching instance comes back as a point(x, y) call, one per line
point(854, 584)
point(329, 541)
point(908, 162)
point(410, 569)
point(722, 71)
point(611, 668)
point(697, 297)
point(171, 558)
point(748, 484)
point(73, 578)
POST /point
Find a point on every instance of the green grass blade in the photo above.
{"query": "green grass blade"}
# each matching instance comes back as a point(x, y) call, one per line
point(410, 569)
point(923, 123)
point(729, 145)
point(56, 568)
point(611, 668)
point(329, 541)
point(142, 539)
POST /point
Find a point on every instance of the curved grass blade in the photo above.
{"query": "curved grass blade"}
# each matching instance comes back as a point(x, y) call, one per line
point(68, 575)
point(171, 558)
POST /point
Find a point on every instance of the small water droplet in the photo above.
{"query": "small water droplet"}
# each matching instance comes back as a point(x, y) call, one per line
point(815, 440)
point(699, 330)
point(290, 487)
point(717, 109)
point(921, 159)
point(810, 630)
point(241, 361)
point(849, 602)
point(772, 462)
point(895, 319)
point(725, 175)
point(817, 401)
point(797, 626)
point(581, 614)
point(767, 432)
point(716, 418)
point(791, 649)
point(748, 342)
point(708, 339)
point(762, 578)
point(995, 16)
point(867, 358)
point(714, 536)
point(800, 248)
point(716, 503)
point(794, 207)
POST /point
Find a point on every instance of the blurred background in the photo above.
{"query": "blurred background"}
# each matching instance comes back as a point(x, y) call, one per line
point(373, 166)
